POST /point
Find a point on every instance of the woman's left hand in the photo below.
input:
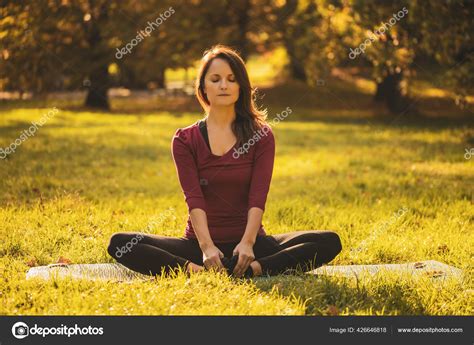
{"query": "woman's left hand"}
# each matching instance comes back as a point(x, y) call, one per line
point(245, 252)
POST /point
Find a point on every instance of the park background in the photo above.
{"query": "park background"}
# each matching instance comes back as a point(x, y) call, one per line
point(377, 147)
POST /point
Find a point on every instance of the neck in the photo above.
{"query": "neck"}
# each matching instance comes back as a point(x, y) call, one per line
point(221, 117)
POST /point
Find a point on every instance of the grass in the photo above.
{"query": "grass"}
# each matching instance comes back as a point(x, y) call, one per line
point(85, 175)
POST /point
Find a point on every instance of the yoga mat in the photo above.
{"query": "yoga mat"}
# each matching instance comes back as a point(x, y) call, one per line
point(118, 272)
point(105, 271)
point(430, 268)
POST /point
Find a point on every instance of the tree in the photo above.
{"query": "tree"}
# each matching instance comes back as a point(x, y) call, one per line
point(314, 34)
point(445, 33)
point(384, 40)
point(50, 45)
point(94, 22)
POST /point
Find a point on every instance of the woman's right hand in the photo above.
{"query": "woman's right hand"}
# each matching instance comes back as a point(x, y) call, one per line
point(211, 257)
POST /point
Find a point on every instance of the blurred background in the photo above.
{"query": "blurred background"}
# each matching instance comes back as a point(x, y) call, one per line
point(109, 55)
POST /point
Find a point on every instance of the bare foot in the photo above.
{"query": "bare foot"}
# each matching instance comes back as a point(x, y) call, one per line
point(256, 267)
point(193, 267)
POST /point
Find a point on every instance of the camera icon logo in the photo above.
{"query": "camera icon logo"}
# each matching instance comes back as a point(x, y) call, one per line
point(20, 330)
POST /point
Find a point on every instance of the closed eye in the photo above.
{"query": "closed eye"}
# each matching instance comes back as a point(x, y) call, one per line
point(231, 78)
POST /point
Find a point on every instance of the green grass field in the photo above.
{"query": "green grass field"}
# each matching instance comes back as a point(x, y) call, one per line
point(84, 176)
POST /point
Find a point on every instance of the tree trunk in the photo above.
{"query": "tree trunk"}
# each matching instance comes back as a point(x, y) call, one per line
point(99, 60)
point(297, 70)
point(160, 78)
point(243, 21)
point(238, 39)
point(97, 95)
point(389, 91)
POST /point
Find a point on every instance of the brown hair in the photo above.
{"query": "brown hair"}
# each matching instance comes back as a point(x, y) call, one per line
point(248, 118)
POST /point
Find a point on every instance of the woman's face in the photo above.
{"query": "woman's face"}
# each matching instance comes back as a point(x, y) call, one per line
point(220, 85)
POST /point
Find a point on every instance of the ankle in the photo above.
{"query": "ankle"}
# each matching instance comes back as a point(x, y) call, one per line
point(192, 267)
point(256, 267)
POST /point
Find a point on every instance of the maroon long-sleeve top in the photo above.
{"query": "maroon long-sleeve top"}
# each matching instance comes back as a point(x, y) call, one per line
point(226, 187)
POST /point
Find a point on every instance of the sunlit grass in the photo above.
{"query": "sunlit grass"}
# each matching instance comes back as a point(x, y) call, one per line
point(84, 176)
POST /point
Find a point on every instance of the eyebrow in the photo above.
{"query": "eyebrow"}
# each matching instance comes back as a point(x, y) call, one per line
point(231, 74)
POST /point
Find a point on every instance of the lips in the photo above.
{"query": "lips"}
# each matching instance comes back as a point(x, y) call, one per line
point(224, 94)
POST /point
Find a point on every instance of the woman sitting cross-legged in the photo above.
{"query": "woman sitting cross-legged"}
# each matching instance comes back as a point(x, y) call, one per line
point(224, 164)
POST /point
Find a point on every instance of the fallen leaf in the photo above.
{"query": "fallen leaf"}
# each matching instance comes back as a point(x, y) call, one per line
point(333, 310)
point(443, 249)
point(32, 263)
point(63, 260)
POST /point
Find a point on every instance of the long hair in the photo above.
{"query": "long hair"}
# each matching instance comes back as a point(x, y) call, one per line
point(248, 117)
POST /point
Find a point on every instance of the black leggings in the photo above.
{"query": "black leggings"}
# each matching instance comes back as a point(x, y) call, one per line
point(148, 254)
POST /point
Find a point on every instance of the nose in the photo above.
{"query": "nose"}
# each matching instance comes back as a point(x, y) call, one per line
point(223, 85)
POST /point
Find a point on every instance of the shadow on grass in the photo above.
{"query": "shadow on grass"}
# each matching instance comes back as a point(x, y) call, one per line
point(325, 295)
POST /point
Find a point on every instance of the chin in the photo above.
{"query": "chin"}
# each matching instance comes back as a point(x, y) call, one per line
point(224, 103)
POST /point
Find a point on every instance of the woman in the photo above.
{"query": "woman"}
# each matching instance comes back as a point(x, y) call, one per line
point(224, 163)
